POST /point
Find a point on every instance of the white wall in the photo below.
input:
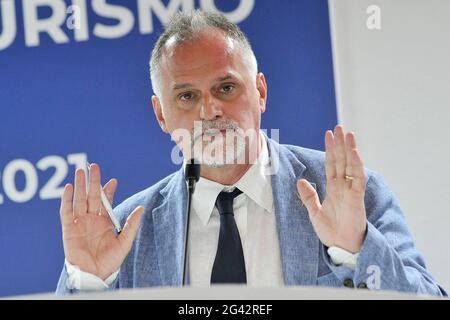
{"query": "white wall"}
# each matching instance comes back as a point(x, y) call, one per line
point(393, 90)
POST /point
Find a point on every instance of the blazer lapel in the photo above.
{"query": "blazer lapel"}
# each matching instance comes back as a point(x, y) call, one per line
point(299, 244)
point(169, 220)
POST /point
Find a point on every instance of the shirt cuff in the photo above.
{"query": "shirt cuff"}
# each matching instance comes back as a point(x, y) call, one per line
point(85, 281)
point(340, 256)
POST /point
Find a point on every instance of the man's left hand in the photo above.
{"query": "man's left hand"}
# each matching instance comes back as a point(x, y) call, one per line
point(341, 219)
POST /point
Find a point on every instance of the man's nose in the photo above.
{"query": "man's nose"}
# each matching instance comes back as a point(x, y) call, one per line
point(211, 108)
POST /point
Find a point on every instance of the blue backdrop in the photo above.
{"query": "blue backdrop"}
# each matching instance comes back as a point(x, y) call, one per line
point(66, 95)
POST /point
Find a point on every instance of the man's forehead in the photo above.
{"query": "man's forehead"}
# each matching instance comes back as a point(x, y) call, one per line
point(180, 83)
point(203, 59)
point(209, 36)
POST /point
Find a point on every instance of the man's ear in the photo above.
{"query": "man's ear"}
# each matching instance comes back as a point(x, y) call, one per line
point(157, 108)
point(261, 86)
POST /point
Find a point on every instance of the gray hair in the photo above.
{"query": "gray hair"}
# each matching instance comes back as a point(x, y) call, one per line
point(185, 26)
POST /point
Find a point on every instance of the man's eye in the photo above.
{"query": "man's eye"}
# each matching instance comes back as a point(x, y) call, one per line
point(186, 96)
point(227, 88)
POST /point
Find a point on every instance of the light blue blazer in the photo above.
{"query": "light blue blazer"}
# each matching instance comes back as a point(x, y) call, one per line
point(388, 259)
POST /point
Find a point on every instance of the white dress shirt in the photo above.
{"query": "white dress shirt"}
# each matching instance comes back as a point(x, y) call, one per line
point(256, 221)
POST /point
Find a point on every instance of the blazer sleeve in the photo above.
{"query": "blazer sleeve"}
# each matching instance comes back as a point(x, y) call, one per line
point(388, 259)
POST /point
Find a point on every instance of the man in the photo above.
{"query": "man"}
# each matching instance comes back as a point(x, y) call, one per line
point(313, 219)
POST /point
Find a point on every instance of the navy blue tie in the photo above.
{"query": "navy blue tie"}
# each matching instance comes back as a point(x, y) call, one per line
point(229, 265)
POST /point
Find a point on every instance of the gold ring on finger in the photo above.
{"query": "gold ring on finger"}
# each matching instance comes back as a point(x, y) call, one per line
point(300, 199)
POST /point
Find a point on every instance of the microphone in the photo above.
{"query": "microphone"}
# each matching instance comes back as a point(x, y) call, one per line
point(191, 174)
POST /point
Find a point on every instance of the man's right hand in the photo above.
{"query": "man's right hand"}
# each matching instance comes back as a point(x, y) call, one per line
point(88, 234)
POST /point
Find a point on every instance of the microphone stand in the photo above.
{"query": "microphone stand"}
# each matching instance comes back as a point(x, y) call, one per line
point(191, 174)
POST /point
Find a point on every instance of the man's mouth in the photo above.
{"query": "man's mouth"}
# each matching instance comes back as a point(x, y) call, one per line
point(213, 132)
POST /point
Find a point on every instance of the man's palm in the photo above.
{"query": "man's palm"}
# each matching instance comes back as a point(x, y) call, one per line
point(341, 219)
point(89, 239)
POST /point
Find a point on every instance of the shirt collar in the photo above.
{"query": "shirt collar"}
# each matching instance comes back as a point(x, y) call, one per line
point(255, 183)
